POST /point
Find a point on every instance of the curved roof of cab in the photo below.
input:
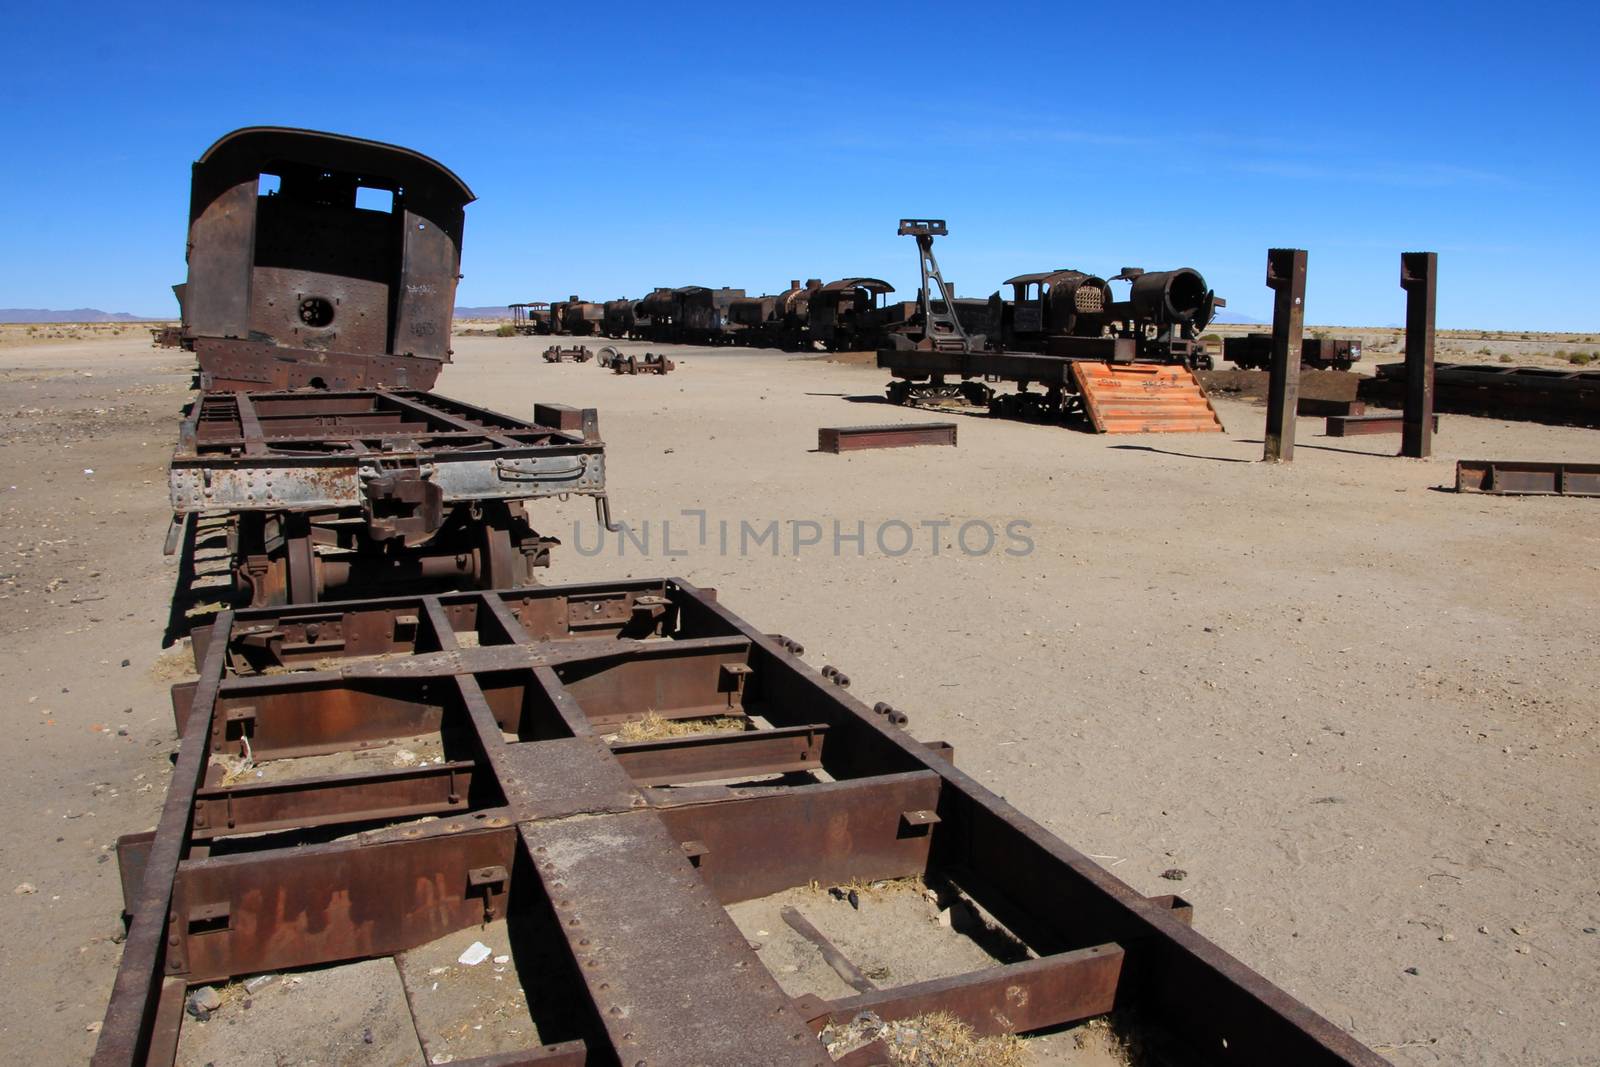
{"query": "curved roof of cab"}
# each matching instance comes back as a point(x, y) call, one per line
point(1044, 275)
point(874, 286)
point(256, 148)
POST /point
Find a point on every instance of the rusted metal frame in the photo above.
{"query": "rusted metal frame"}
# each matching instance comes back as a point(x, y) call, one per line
point(1286, 276)
point(229, 365)
point(249, 808)
point(317, 904)
point(1032, 367)
point(424, 666)
point(433, 404)
point(293, 429)
point(1010, 998)
point(850, 438)
point(659, 957)
point(1419, 273)
point(125, 1033)
point(314, 715)
point(789, 816)
point(374, 435)
point(435, 412)
point(715, 757)
point(508, 626)
point(355, 625)
point(249, 425)
point(838, 961)
point(565, 1054)
point(761, 843)
point(1512, 478)
point(665, 678)
point(1263, 1024)
point(168, 1022)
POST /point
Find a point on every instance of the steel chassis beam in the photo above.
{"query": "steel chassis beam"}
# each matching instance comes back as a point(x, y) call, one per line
point(1419, 277)
point(1512, 478)
point(1360, 425)
point(615, 860)
point(836, 439)
point(1286, 276)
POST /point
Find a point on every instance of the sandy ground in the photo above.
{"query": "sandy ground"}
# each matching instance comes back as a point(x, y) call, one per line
point(1357, 711)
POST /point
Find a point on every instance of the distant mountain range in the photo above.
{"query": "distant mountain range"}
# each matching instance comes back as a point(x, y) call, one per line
point(71, 315)
point(497, 311)
point(1233, 318)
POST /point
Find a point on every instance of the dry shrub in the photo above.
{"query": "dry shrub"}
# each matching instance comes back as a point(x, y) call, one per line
point(937, 1039)
point(655, 728)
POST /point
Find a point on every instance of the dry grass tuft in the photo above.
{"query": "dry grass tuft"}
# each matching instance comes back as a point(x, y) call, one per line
point(654, 728)
point(881, 888)
point(175, 664)
point(937, 1039)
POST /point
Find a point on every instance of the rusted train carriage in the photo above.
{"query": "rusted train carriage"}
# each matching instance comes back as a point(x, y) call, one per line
point(1074, 313)
point(320, 260)
point(847, 313)
point(774, 321)
point(622, 318)
point(688, 314)
point(581, 318)
point(530, 318)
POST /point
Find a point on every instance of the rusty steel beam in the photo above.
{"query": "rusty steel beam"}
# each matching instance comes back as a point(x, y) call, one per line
point(1361, 425)
point(836, 439)
point(707, 757)
point(1016, 998)
point(251, 808)
point(838, 961)
point(614, 860)
point(1520, 478)
point(285, 908)
point(1419, 277)
point(1286, 276)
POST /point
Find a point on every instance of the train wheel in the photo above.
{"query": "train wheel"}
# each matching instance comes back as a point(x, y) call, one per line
point(976, 393)
point(500, 564)
point(290, 576)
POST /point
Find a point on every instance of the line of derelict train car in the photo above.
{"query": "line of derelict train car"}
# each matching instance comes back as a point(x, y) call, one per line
point(1164, 310)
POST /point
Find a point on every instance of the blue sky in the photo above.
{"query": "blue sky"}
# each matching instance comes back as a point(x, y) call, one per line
point(617, 148)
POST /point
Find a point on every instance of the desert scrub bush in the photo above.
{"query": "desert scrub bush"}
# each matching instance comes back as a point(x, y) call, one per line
point(505, 329)
point(1505, 357)
point(1582, 358)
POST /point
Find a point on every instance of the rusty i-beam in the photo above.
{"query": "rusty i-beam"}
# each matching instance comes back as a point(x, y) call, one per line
point(616, 861)
point(1286, 276)
point(1419, 278)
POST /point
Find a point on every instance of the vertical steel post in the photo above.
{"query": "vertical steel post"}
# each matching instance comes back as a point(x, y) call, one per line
point(1419, 278)
point(1286, 275)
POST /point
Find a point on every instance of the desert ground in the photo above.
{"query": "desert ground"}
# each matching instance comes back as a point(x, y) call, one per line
point(1357, 711)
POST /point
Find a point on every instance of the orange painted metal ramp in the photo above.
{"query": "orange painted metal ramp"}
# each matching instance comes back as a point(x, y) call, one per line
point(1144, 398)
